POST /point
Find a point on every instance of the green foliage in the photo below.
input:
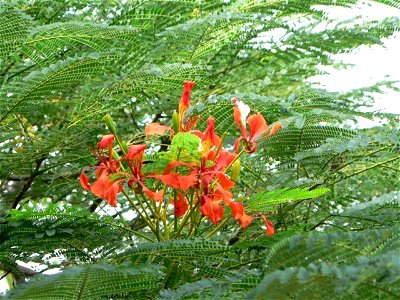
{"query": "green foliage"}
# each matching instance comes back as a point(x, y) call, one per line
point(267, 201)
point(333, 264)
point(185, 147)
point(331, 191)
point(97, 281)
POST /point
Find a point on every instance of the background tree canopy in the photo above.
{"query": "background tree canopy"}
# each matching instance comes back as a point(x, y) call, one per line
point(65, 64)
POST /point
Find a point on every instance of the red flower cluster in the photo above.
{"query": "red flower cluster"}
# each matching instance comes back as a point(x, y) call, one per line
point(107, 188)
point(203, 181)
point(104, 187)
point(258, 127)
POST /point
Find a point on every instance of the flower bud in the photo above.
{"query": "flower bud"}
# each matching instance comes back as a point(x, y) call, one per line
point(175, 122)
point(110, 123)
point(235, 170)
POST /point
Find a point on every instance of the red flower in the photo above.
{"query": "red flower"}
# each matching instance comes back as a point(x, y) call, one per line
point(156, 129)
point(270, 227)
point(184, 104)
point(180, 206)
point(245, 220)
point(104, 187)
point(106, 141)
point(258, 126)
point(212, 209)
point(134, 158)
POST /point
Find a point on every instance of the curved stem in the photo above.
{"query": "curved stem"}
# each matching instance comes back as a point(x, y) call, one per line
point(145, 219)
point(217, 228)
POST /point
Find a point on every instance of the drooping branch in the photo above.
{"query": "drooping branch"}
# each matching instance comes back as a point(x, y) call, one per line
point(29, 181)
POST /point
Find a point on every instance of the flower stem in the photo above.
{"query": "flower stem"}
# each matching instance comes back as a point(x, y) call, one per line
point(217, 228)
point(185, 219)
point(233, 161)
point(145, 219)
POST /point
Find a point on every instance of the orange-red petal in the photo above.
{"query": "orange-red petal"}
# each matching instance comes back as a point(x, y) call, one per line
point(224, 159)
point(237, 116)
point(212, 209)
point(275, 128)
point(177, 181)
point(84, 180)
point(225, 182)
point(210, 139)
point(156, 129)
point(180, 206)
point(156, 196)
point(106, 189)
point(111, 193)
point(237, 209)
point(258, 126)
point(245, 220)
point(106, 141)
point(187, 89)
point(135, 152)
point(223, 194)
point(270, 227)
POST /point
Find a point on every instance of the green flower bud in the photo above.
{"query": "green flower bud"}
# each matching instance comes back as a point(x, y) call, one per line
point(175, 122)
point(110, 124)
point(235, 170)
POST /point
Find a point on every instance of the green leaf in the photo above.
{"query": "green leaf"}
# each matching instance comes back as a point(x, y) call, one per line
point(267, 201)
point(185, 147)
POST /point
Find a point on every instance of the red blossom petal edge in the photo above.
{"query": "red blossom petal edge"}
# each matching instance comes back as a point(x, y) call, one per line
point(275, 128)
point(156, 129)
point(180, 206)
point(106, 141)
point(84, 180)
point(270, 227)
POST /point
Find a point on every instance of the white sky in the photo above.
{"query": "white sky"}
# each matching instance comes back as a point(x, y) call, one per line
point(372, 64)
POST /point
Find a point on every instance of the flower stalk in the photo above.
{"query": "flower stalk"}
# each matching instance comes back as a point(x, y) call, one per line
point(191, 175)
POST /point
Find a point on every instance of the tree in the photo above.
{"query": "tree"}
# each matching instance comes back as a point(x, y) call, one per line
point(330, 191)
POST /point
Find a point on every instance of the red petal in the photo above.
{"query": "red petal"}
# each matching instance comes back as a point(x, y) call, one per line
point(225, 182)
point(99, 187)
point(237, 143)
point(135, 152)
point(170, 179)
point(102, 168)
point(112, 192)
point(175, 164)
point(106, 189)
point(187, 89)
point(224, 159)
point(106, 141)
point(180, 206)
point(156, 196)
point(187, 181)
point(237, 115)
point(84, 179)
point(245, 220)
point(224, 194)
point(184, 103)
point(270, 227)
point(237, 210)
point(212, 209)
point(156, 129)
point(210, 139)
point(258, 126)
point(177, 181)
point(275, 128)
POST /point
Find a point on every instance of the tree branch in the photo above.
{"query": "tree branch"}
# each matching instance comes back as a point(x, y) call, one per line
point(28, 182)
